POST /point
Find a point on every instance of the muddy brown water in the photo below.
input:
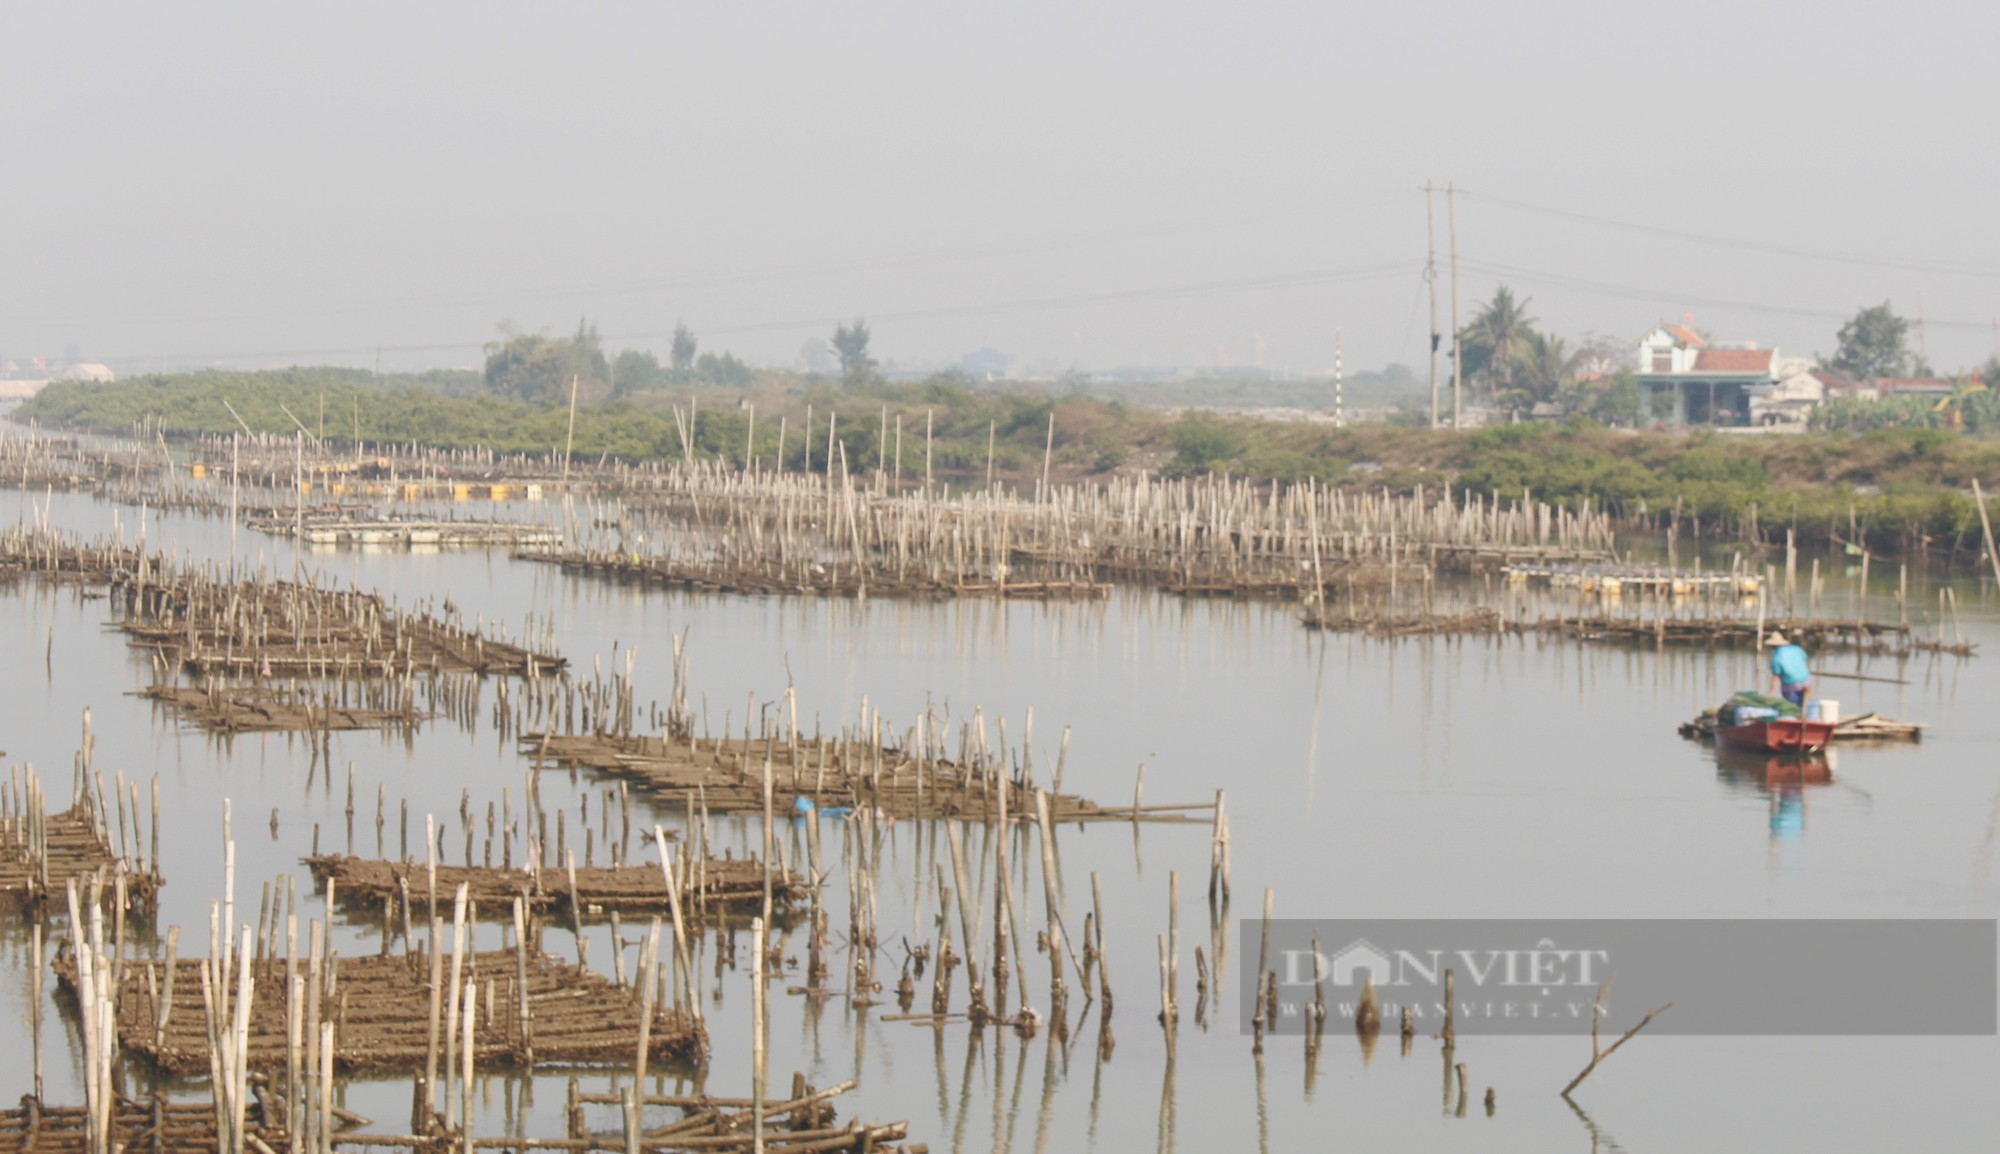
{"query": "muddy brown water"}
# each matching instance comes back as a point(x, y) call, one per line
point(1427, 778)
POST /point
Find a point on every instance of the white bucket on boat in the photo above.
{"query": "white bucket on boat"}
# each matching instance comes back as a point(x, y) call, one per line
point(1823, 709)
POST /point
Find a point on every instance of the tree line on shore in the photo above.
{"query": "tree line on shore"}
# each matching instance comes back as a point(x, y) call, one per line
point(1511, 368)
point(1893, 488)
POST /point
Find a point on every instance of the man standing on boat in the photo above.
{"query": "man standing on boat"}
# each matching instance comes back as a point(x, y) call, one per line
point(1789, 675)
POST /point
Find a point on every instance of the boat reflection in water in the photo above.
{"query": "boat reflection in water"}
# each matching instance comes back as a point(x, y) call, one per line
point(1781, 778)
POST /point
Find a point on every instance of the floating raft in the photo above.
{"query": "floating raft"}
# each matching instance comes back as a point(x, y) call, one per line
point(1475, 556)
point(831, 775)
point(405, 534)
point(75, 848)
point(805, 579)
point(1613, 580)
point(282, 629)
point(243, 709)
point(1275, 588)
point(1409, 625)
point(1868, 727)
point(575, 1016)
point(598, 890)
point(138, 1127)
point(1866, 636)
point(54, 558)
point(802, 1123)
point(1650, 629)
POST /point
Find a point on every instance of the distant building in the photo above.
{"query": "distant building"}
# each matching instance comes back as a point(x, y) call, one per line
point(19, 382)
point(1887, 387)
point(816, 356)
point(1685, 380)
point(985, 364)
point(1789, 404)
point(1882, 388)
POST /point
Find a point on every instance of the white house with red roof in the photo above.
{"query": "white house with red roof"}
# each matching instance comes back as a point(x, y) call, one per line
point(1684, 379)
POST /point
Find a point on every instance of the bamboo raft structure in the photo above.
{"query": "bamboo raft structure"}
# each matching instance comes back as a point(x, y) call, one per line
point(1732, 632)
point(35, 460)
point(833, 531)
point(281, 628)
point(582, 892)
point(867, 766)
point(808, 579)
point(156, 1125)
point(804, 1123)
point(1390, 625)
point(825, 775)
point(52, 556)
point(1657, 629)
point(403, 532)
point(574, 1016)
point(706, 526)
point(254, 708)
point(207, 623)
point(41, 853)
point(1654, 580)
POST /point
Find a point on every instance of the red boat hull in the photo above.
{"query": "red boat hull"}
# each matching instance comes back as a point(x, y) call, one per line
point(1777, 735)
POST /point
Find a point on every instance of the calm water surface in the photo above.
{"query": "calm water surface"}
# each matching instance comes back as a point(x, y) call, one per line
point(1422, 779)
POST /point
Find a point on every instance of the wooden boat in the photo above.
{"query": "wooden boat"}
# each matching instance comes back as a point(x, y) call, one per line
point(1868, 727)
point(1776, 735)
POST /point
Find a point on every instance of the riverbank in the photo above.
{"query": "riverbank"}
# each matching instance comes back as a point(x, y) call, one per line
point(1901, 492)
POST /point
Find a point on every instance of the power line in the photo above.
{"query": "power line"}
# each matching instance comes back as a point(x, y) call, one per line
point(1068, 241)
point(1951, 268)
point(1663, 296)
point(1304, 278)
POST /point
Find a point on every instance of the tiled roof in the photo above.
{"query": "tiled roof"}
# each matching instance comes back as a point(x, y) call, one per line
point(1734, 360)
point(1686, 336)
point(1913, 385)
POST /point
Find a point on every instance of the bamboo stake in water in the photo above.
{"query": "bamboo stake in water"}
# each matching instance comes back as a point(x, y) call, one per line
point(521, 981)
point(323, 1126)
point(1218, 862)
point(470, 1003)
point(687, 993)
point(294, 1045)
point(36, 1007)
point(757, 1010)
point(431, 1043)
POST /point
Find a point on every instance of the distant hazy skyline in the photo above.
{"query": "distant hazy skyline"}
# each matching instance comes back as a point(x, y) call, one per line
point(1087, 186)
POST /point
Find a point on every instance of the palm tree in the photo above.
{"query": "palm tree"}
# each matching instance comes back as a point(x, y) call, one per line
point(1545, 366)
point(1495, 340)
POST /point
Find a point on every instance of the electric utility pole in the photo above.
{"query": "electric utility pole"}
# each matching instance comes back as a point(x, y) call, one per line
point(1457, 376)
point(1431, 280)
point(1339, 402)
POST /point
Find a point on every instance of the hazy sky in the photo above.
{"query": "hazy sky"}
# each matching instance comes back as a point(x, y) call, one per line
point(1089, 185)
